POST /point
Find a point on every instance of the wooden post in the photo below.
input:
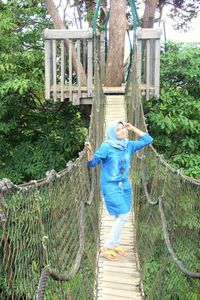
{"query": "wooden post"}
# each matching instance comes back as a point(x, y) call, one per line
point(147, 69)
point(157, 67)
point(70, 70)
point(139, 61)
point(85, 55)
point(102, 55)
point(62, 71)
point(152, 68)
point(47, 68)
point(79, 74)
point(54, 70)
point(90, 69)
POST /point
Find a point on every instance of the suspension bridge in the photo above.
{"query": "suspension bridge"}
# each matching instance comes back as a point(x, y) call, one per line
point(52, 228)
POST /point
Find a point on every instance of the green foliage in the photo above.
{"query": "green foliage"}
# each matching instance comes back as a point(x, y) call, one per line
point(34, 136)
point(40, 140)
point(174, 117)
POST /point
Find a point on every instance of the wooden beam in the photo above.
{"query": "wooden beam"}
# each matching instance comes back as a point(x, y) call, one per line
point(102, 55)
point(148, 61)
point(90, 69)
point(148, 33)
point(47, 68)
point(79, 74)
point(54, 69)
point(139, 61)
point(67, 34)
point(70, 70)
point(157, 68)
point(72, 94)
point(62, 69)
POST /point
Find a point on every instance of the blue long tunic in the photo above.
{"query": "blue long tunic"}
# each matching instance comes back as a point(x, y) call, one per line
point(114, 180)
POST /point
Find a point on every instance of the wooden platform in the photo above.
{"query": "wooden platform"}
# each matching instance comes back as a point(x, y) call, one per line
point(77, 95)
point(114, 90)
point(117, 280)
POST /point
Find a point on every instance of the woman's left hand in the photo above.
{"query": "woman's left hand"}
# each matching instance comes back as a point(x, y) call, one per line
point(137, 131)
point(129, 126)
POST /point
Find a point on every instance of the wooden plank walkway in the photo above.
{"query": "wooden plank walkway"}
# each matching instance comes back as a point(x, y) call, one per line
point(119, 279)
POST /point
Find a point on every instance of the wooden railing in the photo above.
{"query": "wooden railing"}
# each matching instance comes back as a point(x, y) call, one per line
point(148, 61)
point(147, 46)
point(61, 81)
point(67, 48)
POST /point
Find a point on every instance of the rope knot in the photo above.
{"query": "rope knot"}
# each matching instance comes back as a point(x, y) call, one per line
point(70, 165)
point(180, 171)
point(34, 182)
point(141, 157)
point(6, 185)
point(52, 175)
point(159, 156)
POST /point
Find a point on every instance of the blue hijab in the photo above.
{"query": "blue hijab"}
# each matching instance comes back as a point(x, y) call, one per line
point(111, 136)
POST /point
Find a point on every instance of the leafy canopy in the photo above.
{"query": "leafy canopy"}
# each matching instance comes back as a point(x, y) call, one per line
point(174, 117)
point(35, 136)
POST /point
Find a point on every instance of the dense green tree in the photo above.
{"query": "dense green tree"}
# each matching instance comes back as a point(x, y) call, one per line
point(174, 117)
point(35, 136)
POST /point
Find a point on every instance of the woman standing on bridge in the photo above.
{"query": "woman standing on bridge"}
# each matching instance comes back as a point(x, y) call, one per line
point(115, 155)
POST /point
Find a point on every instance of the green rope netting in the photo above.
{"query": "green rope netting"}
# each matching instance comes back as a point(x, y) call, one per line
point(167, 210)
point(51, 227)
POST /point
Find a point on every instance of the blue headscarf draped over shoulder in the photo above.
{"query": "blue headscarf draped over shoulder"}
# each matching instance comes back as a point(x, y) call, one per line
point(111, 136)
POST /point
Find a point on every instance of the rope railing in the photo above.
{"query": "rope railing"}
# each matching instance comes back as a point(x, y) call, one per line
point(169, 247)
point(49, 228)
point(47, 271)
point(144, 181)
point(167, 234)
point(164, 224)
point(44, 228)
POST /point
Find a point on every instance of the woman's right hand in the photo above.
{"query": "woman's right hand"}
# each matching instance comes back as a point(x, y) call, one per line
point(88, 146)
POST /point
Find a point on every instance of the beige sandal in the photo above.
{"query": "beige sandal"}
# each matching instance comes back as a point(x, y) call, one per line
point(120, 251)
point(110, 254)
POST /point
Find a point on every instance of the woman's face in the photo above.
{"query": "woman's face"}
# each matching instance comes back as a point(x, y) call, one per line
point(121, 131)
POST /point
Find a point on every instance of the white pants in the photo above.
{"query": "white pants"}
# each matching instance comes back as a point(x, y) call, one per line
point(114, 237)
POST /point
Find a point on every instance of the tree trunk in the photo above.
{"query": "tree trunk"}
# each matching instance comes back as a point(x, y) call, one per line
point(58, 24)
point(149, 13)
point(117, 30)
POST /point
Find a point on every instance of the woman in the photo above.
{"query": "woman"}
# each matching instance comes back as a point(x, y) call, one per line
point(115, 155)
